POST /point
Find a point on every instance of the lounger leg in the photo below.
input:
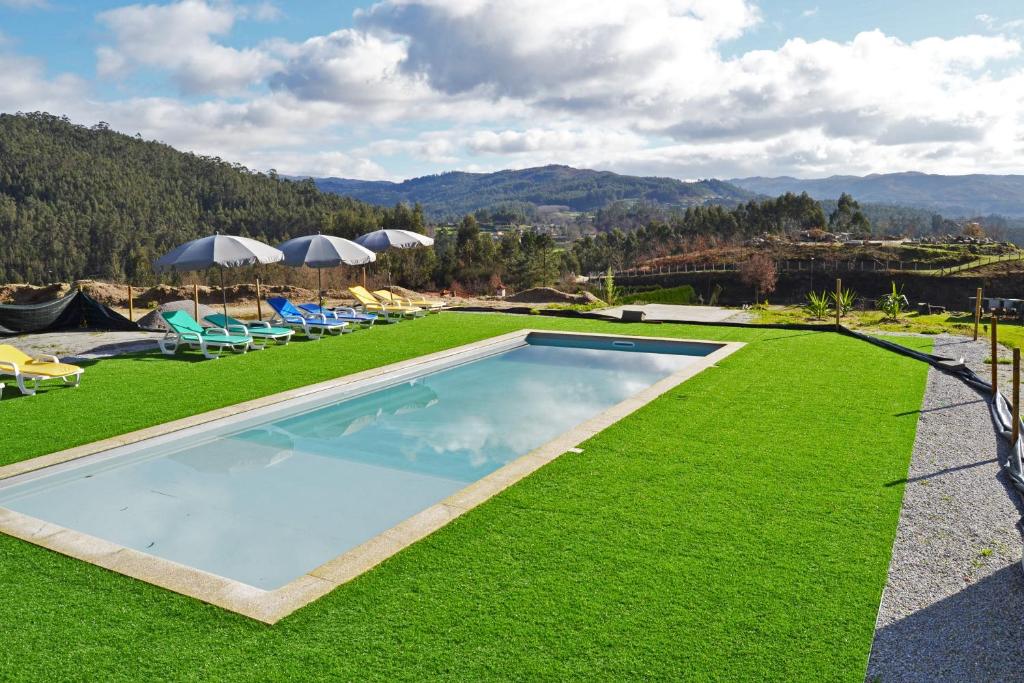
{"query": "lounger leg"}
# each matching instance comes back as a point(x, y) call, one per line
point(206, 351)
point(74, 381)
point(24, 388)
point(168, 347)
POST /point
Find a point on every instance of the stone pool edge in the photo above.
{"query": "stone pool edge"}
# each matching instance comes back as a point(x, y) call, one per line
point(271, 606)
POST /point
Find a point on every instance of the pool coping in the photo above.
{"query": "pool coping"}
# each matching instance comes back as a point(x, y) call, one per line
point(270, 606)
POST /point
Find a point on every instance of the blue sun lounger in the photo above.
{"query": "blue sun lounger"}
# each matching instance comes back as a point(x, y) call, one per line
point(340, 313)
point(313, 326)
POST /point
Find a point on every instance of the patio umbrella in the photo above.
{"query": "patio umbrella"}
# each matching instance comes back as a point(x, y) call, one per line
point(324, 251)
point(223, 251)
point(383, 240)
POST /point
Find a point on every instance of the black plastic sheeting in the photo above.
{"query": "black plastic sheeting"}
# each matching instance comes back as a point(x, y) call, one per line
point(77, 310)
point(1001, 409)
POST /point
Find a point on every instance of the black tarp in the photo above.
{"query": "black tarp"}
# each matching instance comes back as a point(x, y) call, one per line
point(75, 311)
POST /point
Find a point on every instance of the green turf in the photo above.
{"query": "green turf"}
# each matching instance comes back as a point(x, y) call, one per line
point(738, 527)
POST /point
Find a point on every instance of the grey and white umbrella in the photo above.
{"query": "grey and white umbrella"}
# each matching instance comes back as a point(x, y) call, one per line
point(222, 251)
point(383, 240)
point(324, 251)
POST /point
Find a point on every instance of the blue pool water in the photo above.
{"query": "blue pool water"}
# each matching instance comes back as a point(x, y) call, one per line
point(264, 500)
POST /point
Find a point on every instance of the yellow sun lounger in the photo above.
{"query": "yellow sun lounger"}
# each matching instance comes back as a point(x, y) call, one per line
point(387, 297)
point(24, 368)
point(371, 304)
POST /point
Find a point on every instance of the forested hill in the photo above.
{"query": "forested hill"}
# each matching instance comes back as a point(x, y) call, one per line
point(89, 202)
point(453, 194)
point(962, 195)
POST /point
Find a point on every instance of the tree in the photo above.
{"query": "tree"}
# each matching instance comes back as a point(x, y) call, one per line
point(759, 272)
point(974, 229)
point(848, 217)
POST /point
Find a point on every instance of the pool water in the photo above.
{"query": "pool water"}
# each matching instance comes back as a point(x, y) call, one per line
point(263, 501)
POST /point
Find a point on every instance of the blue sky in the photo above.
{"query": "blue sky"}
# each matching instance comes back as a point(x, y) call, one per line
point(685, 88)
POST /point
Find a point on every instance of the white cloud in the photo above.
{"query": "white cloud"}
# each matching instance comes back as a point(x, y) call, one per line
point(25, 4)
point(178, 38)
point(641, 87)
point(25, 86)
point(810, 11)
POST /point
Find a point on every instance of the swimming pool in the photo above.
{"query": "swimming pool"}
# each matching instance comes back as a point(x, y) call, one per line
point(255, 503)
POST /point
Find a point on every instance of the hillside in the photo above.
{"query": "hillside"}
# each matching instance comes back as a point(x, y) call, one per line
point(963, 195)
point(454, 194)
point(89, 202)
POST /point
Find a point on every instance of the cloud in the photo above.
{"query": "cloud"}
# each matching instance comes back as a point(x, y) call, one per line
point(995, 25)
point(810, 11)
point(649, 86)
point(519, 48)
point(25, 86)
point(25, 4)
point(178, 38)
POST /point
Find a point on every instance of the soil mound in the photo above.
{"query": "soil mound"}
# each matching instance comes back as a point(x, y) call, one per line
point(550, 295)
point(153, 320)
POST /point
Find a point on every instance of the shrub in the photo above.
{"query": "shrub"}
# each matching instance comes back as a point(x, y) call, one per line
point(817, 305)
point(844, 302)
point(893, 303)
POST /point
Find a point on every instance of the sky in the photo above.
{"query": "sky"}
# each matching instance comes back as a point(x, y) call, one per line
point(402, 88)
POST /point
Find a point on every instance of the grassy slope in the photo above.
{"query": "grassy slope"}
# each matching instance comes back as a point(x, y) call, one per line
point(738, 527)
point(671, 295)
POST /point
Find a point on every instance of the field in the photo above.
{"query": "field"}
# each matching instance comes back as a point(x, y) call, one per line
point(737, 528)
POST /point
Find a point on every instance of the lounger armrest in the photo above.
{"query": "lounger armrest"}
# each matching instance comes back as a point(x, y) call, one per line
point(45, 358)
point(187, 335)
point(317, 318)
point(238, 328)
point(9, 367)
point(345, 310)
point(260, 323)
point(217, 330)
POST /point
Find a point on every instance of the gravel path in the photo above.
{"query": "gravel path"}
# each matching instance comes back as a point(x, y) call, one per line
point(953, 607)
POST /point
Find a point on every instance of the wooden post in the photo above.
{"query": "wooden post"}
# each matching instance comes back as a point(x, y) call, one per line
point(131, 305)
point(195, 300)
point(1016, 397)
point(259, 301)
point(977, 312)
point(839, 302)
point(995, 355)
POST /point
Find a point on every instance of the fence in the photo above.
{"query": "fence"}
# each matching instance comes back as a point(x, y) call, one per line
point(814, 266)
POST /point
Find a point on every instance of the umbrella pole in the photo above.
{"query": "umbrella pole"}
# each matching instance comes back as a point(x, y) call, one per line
point(364, 277)
point(223, 295)
point(319, 288)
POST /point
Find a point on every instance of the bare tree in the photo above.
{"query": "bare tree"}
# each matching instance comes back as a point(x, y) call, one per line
point(758, 272)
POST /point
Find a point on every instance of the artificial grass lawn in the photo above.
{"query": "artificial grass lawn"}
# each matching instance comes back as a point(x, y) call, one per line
point(738, 527)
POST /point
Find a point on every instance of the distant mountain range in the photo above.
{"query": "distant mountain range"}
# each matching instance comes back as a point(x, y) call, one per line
point(456, 193)
point(953, 195)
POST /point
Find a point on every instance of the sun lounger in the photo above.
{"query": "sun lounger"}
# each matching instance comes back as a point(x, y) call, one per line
point(431, 305)
point(25, 368)
point(370, 304)
point(313, 326)
point(349, 315)
point(260, 330)
point(185, 331)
